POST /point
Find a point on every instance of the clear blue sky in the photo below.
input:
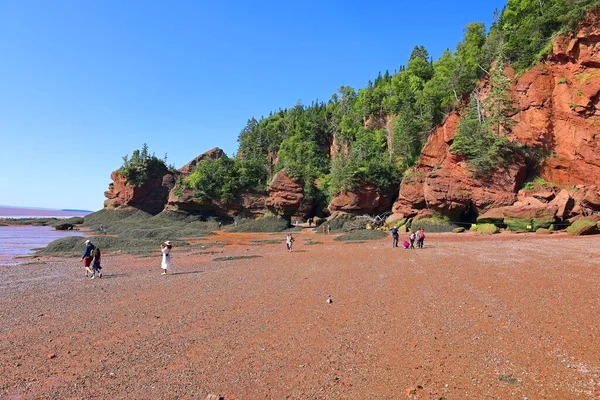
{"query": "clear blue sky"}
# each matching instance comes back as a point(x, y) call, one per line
point(84, 82)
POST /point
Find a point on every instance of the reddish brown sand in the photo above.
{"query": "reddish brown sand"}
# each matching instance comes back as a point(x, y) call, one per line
point(468, 317)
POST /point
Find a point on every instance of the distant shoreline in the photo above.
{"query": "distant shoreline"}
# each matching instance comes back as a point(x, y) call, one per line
point(22, 212)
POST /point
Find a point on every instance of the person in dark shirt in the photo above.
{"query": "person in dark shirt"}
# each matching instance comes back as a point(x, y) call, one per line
point(88, 256)
point(395, 236)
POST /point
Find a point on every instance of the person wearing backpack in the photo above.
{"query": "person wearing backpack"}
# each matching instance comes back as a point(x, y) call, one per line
point(420, 238)
point(395, 236)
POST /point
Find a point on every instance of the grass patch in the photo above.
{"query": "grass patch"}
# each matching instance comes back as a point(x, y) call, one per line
point(362, 235)
point(312, 242)
point(267, 241)
point(266, 224)
point(230, 258)
point(586, 77)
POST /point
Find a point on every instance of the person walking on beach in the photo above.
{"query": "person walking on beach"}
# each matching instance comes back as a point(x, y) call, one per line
point(324, 229)
point(289, 242)
point(88, 256)
point(411, 237)
point(166, 256)
point(395, 236)
point(96, 264)
point(420, 237)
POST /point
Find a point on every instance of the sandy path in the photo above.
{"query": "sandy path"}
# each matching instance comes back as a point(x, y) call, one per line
point(509, 316)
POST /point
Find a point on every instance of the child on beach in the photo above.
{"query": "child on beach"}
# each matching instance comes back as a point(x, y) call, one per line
point(165, 248)
point(412, 240)
point(289, 241)
point(96, 264)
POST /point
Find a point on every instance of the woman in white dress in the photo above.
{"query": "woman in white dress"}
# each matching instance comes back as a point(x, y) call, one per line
point(166, 256)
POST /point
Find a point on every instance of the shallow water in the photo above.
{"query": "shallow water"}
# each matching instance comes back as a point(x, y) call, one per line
point(19, 241)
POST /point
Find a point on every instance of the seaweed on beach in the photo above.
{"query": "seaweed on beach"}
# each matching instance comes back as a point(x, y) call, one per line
point(230, 258)
point(161, 227)
point(267, 241)
point(365, 234)
point(266, 224)
point(73, 245)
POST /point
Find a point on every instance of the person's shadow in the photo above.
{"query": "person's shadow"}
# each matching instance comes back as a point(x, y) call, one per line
point(109, 276)
point(186, 272)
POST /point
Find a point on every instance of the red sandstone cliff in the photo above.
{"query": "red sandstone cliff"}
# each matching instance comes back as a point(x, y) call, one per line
point(558, 110)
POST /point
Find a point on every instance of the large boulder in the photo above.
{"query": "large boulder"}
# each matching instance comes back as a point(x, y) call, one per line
point(212, 154)
point(366, 200)
point(564, 202)
point(582, 226)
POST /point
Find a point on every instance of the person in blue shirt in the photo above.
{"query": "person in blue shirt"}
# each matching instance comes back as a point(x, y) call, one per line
point(395, 236)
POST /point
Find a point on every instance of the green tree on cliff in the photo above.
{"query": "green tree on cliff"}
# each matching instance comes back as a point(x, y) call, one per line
point(142, 167)
point(482, 134)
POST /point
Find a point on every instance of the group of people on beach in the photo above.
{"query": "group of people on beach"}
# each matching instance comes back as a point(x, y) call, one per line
point(419, 236)
point(91, 254)
point(91, 260)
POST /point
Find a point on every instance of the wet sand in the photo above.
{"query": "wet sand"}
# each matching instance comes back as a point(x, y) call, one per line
point(509, 316)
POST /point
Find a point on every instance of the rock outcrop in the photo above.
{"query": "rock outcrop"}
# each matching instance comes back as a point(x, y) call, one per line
point(286, 197)
point(183, 199)
point(150, 197)
point(558, 112)
point(442, 181)
point(164, 193)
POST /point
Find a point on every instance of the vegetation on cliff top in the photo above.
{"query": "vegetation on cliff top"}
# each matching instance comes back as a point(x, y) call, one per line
point(142, 167)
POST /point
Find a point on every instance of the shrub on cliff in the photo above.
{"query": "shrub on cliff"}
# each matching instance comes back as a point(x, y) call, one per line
point(225, 178)
point(142, 167)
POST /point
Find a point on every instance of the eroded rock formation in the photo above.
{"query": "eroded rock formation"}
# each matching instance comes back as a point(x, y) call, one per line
point(286, 197)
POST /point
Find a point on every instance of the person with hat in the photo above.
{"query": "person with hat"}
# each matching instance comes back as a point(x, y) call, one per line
point(395, 236)
point(88, 256)
point(166, 256)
